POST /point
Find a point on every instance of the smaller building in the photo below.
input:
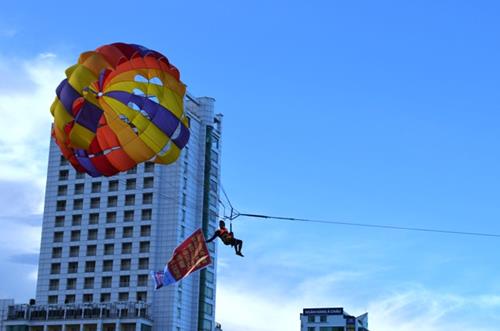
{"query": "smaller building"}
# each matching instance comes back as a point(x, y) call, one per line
point(331, 319)
point(123, 316)
point(4, 311)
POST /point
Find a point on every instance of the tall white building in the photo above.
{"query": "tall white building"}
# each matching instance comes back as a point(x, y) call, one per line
point(331, 319)
point(101, 237)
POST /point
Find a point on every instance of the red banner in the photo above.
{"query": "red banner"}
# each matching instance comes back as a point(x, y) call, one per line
point(191, 255)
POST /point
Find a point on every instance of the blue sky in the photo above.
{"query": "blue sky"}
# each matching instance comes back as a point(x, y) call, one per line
point(379, 112)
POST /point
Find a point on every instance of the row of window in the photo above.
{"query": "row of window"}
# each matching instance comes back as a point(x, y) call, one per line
point(125, 265)
point(112, 201)
point(109, 249)
point(111, 217)
point(106, 282)
point(148, 167)
point(110, 233)
point(79, 188)
point(326, 328)
point(312, 318)
point(104, 297)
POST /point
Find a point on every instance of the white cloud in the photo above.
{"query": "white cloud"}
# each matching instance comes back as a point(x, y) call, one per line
point(411, 307)
point(27, 89)
point(25, 99)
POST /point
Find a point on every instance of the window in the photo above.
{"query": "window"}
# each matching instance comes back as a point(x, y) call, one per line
point(105, 297)
point(214, 156)
point(144, 247)
point(91, 250)
point(61, 205)
point(132, 171)
point(87, 297)
point(213, 186)
point(88, 283)
point(126, 248)
point(110, 233)
point(214, 171)
point(92, 234)
point(52, 299)
point(207, 325)
point(93, 218)
point(123, 296)
point(124, 281)
point(72, 267)
point(62, 190)
point(184, 199)
point(143, 263)
point(96, 187)
point(184, 183)
point(95, 202)
point(146, 214)
point(54, 285)
point(58, 236)
point(322, 318)
point(130, 200)
point(107, 265)
point(113, 186)
point(147, 198)
point(56, 252)
point(148, 182)
point(109, 249)
point(142, 296)
point(128, 216)
point(130, 184)
point(80, 175)
point(74, 251)
point(75, 235)
point(71, 283)
point(63, 161)
point(90, 266)
point(125, 264)
point(209, 309)
point(79, 188)
point(59, 221)
point(112, 201)
point(111, 217)
point(311, 328)
point(209, 276)
point(76, 220)
point(63, 174)
point(142, 280)
point(106, 282)
point(149, 167)
point(209, 293)
point(145, 230)
point(128, 231)
point(310, 319)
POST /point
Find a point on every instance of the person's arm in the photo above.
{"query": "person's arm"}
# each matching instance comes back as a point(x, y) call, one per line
point(216, 234)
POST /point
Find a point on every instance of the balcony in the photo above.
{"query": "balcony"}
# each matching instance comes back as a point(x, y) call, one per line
point(79, 311)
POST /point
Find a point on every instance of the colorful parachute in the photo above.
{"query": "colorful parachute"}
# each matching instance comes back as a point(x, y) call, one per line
point(120, 105)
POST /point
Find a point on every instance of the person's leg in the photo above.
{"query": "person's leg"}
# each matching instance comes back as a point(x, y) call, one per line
point(238, 246)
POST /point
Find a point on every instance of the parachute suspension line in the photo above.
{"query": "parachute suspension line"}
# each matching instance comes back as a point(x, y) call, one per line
point(368, 225)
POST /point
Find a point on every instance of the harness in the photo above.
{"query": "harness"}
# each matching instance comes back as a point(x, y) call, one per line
point(226, 236)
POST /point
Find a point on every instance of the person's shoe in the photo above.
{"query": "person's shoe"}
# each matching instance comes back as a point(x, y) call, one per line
point(239, 253)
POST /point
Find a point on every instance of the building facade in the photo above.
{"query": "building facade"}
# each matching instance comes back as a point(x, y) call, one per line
point(101, 237)
point(331, 319)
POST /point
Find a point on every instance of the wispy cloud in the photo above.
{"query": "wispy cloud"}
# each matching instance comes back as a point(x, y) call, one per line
point(24, 105)
point(411, 308)
point(26, 93)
